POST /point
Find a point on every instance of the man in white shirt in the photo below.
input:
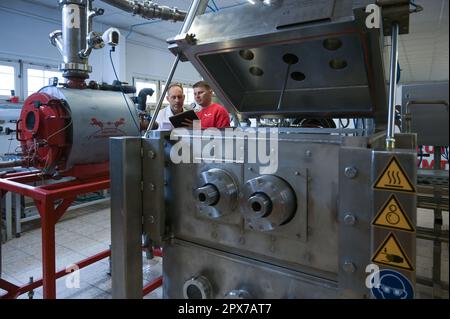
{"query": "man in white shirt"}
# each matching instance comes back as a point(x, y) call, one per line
point(175, 97)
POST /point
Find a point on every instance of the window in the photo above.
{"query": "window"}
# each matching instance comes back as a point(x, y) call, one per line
point(38, 78)
point(159, 86)
point(189, 92)
point(163, 86)
point(7, 82)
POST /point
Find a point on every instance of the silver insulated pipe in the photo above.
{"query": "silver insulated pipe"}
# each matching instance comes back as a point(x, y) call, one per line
point(148, 9)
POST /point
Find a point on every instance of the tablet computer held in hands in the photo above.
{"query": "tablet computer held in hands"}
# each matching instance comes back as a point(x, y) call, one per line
point(177, 120)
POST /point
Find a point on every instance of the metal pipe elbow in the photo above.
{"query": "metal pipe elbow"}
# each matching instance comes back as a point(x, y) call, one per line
point(56, 40)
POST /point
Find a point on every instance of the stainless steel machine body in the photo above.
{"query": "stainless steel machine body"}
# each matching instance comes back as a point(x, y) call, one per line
point(313, 228)
point(425, 112)
point(322, 251)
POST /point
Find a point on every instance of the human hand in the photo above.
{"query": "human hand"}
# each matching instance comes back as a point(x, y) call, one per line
point(187, 123)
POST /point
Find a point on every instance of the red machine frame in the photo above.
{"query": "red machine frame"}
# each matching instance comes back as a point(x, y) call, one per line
point(46, 198)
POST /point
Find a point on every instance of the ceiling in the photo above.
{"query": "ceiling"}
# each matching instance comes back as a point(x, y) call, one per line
point(423, 53)
point(153, 28)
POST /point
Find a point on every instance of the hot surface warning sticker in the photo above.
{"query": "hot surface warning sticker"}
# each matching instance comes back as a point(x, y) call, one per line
point(394, 178)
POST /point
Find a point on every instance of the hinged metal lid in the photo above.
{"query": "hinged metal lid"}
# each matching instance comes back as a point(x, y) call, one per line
point(333, 64)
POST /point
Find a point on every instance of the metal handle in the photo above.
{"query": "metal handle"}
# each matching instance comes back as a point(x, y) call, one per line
point(197, 7)
point(18, 131)
point(390, 140)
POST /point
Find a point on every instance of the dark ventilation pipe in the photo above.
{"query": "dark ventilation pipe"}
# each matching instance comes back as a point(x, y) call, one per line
point(116, 86)
point(142, 98)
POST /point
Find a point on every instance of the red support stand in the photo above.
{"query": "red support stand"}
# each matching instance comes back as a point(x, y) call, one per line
point(52, 201)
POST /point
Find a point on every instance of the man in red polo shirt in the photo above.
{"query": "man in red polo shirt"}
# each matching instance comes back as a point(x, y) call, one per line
point(211, 114)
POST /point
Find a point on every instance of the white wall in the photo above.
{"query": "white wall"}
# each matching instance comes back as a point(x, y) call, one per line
point(153, 63)
point(24, 30)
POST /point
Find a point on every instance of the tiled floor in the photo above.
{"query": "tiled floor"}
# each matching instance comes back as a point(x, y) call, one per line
point(79, 235)
point(86, 232)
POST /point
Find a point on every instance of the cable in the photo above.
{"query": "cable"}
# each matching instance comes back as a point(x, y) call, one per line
point(421, 156)
point(121, 89)
point(70, 123)
point(215, 5)
point(235, 5)
point(211, 8)
point(417, 7)
point(444, 151)
point(130, 30)
point(346, 125)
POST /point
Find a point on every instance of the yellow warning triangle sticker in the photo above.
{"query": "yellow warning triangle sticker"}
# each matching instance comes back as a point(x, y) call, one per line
point(394, 178)
point(392, 215)
point(390, 253)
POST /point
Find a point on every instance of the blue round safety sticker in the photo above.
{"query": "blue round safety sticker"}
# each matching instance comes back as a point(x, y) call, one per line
point(390, 284)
